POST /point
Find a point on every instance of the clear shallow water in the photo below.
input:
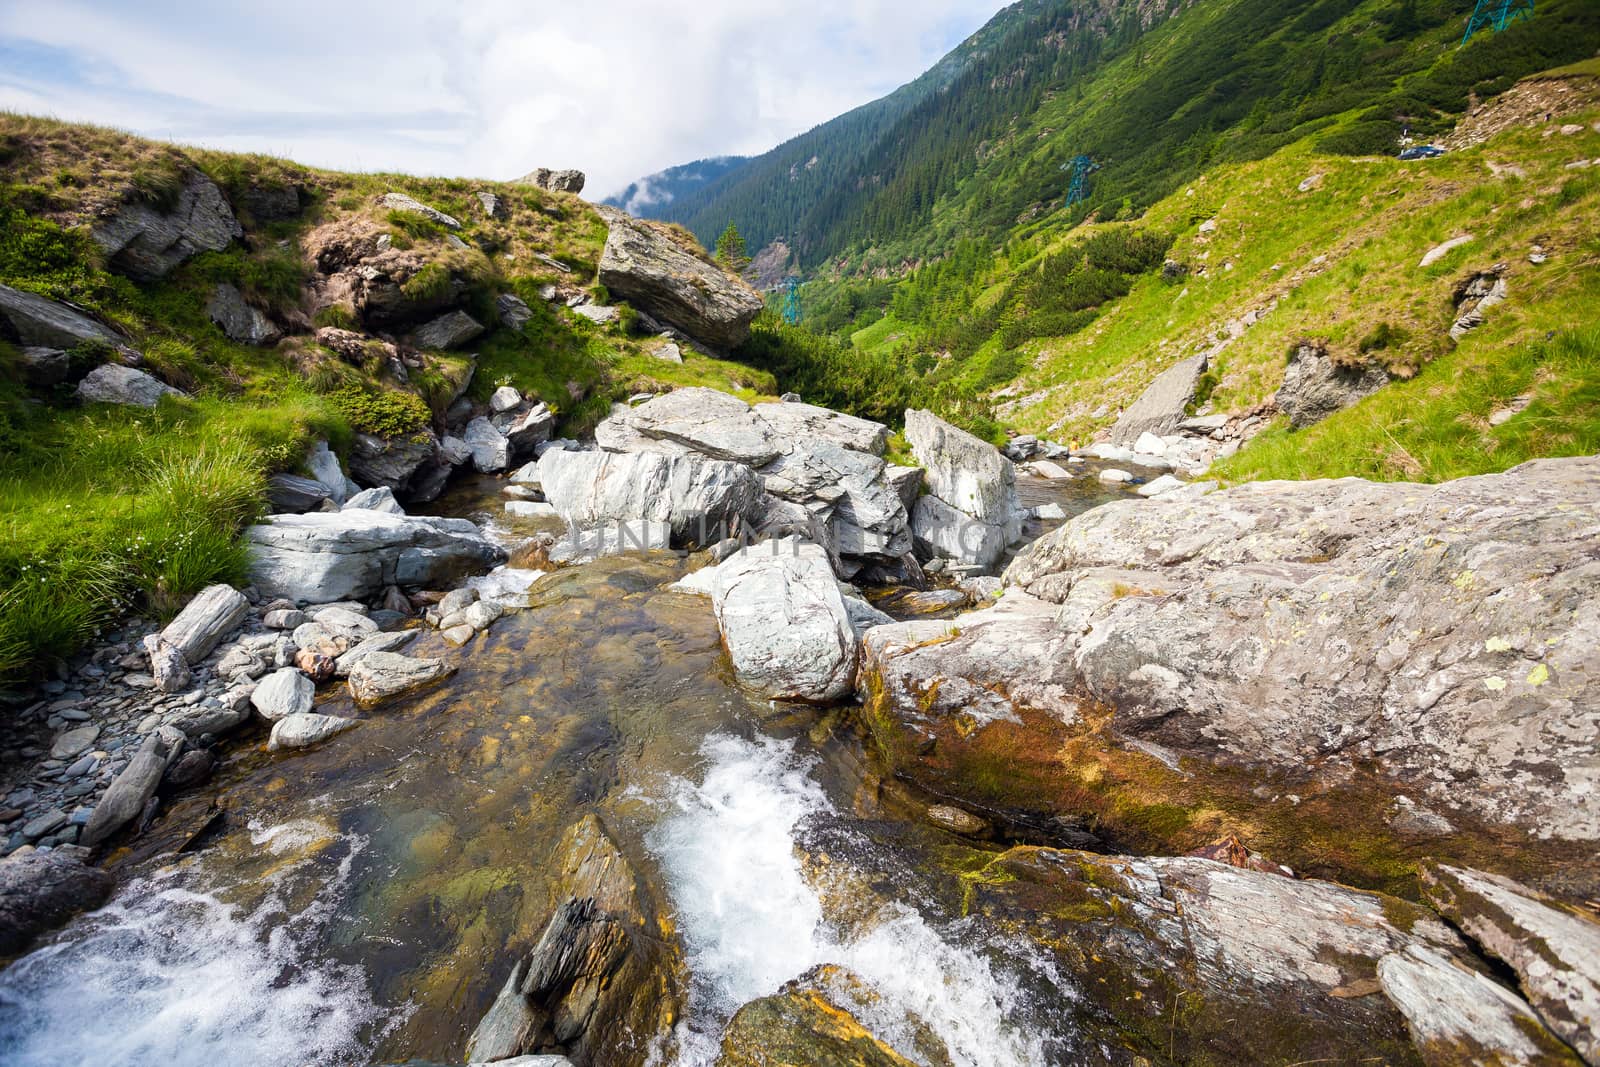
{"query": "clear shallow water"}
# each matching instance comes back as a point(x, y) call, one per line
point(366, 898)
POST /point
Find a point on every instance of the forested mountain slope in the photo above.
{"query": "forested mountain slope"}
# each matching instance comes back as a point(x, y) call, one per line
point(1154, 92)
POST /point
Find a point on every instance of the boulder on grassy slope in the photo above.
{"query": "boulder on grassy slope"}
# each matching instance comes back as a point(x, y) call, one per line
point(1162, 406)
point(145, 242)
point(642, 265)
point(34, 320)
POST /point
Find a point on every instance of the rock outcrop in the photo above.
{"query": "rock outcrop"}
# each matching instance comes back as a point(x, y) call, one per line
point(555, 181)
point(145, 242)
point(1162, 406)
point(1314, 386)
point(970, 513)
point(803, 1025)
point(353, 555)
point(1553, 950)
point(33, 320)
point(237, 319)
point(1359, 645)
point(645, 267)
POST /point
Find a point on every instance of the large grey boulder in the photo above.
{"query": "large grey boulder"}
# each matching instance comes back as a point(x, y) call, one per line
point(614, 539)
point(144, 243)
point(286, 691)
point(112, 383)
point(295, 493)
point(555, 181)
point(450, 330)
point(973, 478)
point(354, 555)
point(213, 613)
point(1443, 638)
point(940, 531)
point(43, 367)
point(324, 467)
point(390, 461)
point(642, 265)
point(848, 490)
point(491, 451)
point(1163, 405)
point(1314, 386)
point(35, 320)
point(699, 498)
point(526, 430)
point(379, 676)
point(41, 890)
point(238, 319)
point(785, 622)
point(131, 789)
point(1553, 950)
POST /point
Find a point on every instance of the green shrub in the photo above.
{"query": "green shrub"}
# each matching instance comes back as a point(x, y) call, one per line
point(383, 412)
point(337, 316)
point(432, 282)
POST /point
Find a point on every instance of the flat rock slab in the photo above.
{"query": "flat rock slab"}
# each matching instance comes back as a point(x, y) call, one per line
point(324, 557)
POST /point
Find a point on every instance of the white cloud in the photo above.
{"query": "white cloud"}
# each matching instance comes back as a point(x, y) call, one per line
point(491, 88)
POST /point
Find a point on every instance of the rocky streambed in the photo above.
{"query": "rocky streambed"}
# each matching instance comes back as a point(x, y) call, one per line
point(1213, 777)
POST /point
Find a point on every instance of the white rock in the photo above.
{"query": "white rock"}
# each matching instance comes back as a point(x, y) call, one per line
point(504, 399)
point(205, 620)
point(1115, 476)
point(1149, 444)
point(282, 693)
point(491, 452)
point(378, 499)
point(1164, 484)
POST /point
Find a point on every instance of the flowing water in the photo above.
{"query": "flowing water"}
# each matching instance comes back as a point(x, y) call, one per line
point(363, 901)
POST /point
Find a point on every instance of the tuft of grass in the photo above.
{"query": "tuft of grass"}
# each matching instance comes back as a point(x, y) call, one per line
point(383, 412)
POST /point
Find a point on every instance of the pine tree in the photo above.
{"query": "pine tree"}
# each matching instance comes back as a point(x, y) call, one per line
point(731, 252)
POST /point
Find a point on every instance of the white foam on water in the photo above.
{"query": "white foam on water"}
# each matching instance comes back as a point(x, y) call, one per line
point(168, 975)
point(750, 921)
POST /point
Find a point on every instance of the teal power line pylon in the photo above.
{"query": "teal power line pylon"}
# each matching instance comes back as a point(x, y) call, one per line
point(1497, 14)
point(791, 301)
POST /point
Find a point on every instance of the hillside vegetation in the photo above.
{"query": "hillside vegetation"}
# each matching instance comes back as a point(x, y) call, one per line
point(104, 508)
point(1156, 91)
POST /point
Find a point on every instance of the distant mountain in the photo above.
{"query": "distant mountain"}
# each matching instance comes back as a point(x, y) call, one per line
point(649, 196)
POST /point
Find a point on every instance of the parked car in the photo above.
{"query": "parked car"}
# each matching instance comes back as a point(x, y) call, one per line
point(1422, 151)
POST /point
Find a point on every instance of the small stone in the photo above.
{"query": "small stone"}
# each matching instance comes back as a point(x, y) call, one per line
point(74, 742)
point(283, 619)
point(283, 693)
point(459, 635)
point(48, 823)
point(957, 821)
point(304, 729)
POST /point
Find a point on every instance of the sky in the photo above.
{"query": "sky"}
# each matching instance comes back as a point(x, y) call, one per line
point(481, 88)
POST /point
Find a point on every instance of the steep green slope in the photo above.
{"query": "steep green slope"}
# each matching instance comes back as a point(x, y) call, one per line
point(1154, 92)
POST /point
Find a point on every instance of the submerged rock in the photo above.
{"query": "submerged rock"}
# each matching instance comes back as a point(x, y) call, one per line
point(802, 1025)
point(603, 980)
point(41, 890)
point(377, 676)
point(304, 729)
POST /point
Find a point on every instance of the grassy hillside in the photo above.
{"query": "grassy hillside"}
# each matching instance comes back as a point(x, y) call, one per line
point(105, 509)
point(1066, 323)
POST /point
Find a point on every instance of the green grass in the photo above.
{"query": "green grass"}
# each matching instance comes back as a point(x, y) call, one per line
point(104, 510)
